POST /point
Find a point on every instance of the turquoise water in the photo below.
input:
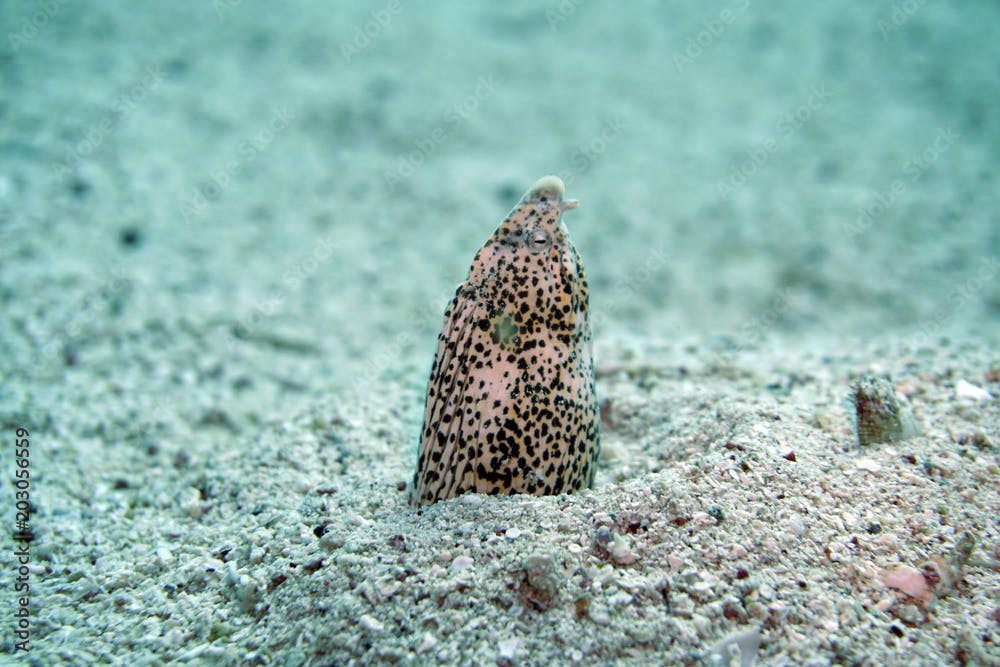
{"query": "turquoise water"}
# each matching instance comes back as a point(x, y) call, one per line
point(218, 214)
point(780, 167)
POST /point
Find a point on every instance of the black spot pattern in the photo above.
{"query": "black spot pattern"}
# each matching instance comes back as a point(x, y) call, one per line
point(510, 405)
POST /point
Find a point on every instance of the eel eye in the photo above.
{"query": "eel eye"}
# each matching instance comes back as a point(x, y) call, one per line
point(538, 240)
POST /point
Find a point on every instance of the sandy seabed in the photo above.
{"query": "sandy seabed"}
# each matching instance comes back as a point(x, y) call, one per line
point(228, 232)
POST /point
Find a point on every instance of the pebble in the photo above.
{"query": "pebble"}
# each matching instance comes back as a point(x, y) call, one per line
point(682, 605)
point(359, 520)
point(908, 580)
point(599, 614)
point(757, 610)
point(544, 579)
point(508, 647)
point(461, 563)
point(701, 623)
point(164, 556)
point(868, 464)
point(620, 599)
point(910, 614)
point(331, 541)
point(429, 642)
point(970, 391)
point(389, 587)
point(191, 502)
point(621, 551)
point(371, 624)
point(641, 633)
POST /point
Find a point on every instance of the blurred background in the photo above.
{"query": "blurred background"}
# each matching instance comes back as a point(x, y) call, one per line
point(216, 211)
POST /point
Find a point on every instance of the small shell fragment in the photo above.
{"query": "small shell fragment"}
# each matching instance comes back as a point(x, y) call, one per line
point(969, 391)
point(908, 580)
point(868, 464)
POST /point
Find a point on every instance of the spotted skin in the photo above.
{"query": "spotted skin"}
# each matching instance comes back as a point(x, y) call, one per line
point(510, 405)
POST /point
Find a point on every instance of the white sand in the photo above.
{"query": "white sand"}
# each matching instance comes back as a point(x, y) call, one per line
point(227, 237)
